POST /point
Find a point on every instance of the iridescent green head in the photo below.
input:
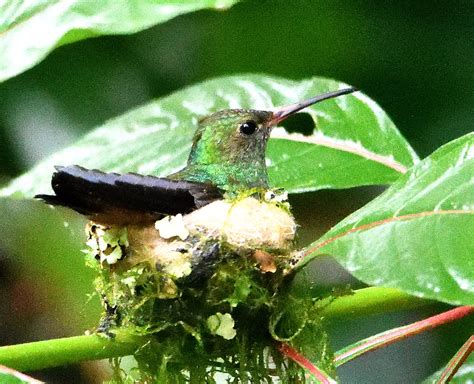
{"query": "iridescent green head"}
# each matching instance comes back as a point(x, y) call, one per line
point(229, 146)
point(231, 136)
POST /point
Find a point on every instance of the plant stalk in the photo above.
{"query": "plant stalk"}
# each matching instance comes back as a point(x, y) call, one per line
point(371, 301)
point(68, 350)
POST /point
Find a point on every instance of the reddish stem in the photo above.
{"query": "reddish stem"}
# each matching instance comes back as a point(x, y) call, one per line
point(389, 337)
point(455, 363)
point(303, 362)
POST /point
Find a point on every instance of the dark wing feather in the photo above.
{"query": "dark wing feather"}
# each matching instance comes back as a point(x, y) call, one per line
point(98, 194)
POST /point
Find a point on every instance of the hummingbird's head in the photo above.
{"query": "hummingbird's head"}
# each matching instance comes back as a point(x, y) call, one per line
point(240, 135)
point(234, 140)
point(231, 136)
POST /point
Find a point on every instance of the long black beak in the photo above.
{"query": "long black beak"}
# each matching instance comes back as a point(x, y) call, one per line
point(284, 112)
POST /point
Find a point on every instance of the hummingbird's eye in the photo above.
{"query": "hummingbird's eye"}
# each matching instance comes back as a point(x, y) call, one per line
point(248, 127)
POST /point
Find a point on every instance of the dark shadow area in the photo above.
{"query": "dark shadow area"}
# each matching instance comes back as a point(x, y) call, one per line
point(299, 123)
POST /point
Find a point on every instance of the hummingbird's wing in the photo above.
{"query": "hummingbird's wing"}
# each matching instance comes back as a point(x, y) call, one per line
point(126, 198)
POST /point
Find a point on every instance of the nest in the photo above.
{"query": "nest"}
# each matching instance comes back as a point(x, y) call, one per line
point(203, 286)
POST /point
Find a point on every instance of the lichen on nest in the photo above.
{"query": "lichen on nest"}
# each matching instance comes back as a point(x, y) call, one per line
point(204, 287)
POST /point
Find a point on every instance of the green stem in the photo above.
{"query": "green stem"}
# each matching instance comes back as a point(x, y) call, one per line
point(68, 350)
point(371, 301)
point(56, 352)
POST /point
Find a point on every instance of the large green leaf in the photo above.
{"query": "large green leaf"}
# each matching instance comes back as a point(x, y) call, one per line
point(354, 142)
point(29, 30)
point(418, 235)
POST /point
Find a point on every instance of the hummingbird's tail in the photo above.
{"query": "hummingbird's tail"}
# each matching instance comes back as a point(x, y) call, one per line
point(129, 197)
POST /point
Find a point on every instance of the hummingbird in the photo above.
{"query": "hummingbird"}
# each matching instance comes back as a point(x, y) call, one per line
point(173, 232)
point(227, 158)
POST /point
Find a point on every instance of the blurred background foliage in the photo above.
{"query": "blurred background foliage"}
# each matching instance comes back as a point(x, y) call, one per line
point(414, 58)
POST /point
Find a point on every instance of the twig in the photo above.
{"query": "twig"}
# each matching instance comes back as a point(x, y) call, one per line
point(389, 337)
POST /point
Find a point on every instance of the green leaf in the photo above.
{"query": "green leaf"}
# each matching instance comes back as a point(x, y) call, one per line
point(418, 235)
point(354, 142)
point(10, 376)
point(29, 30)
point(10, 379)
